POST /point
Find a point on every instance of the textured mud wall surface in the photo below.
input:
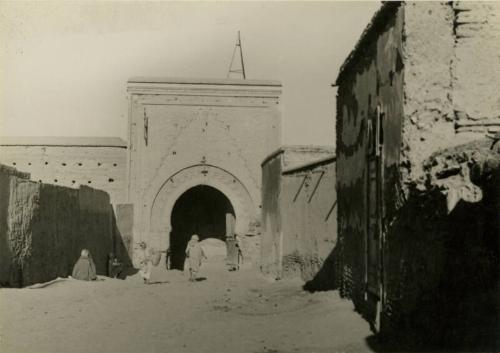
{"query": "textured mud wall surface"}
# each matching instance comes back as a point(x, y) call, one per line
point(452, 69)
point(372, 80)
point(270, 249)
point(47, 226)
point(183, 135)
point(439, 219)
point(71, 166)
point(475, 67)
point(429, 116)
point(442, 264)
point(309, 224)
point(7, 174)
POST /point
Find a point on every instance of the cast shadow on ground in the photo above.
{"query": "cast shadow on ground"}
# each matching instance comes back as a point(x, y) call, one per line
point(326, 277)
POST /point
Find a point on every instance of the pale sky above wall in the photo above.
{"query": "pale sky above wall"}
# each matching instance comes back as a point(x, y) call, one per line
point(64, 65)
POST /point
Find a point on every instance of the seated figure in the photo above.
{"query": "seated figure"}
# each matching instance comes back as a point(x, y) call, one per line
point(84, 268)
point(115, 267)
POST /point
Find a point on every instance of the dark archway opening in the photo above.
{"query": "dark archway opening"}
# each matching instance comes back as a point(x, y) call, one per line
point(200, 210)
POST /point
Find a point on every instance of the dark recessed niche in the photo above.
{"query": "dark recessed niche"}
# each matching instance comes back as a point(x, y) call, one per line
point(98, 164)
point(63, 164)
point(111, 180)
point(174, 152)
point(46, 163)
point(80, 164)
point(14, 163)
point(55, 180)
point(72, 181)
point(29, 163)
point(114, 164)
point(39, 181)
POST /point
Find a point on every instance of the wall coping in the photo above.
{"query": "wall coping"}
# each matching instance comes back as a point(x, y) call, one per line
point(297, 148)
point(310, 165)
point(377, 22)
point(204, 81)
point(60, 141)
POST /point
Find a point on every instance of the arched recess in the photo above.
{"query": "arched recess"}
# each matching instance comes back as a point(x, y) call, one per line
point(177, 184)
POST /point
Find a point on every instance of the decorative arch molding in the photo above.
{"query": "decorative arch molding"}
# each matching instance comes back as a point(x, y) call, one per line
point(187, 178)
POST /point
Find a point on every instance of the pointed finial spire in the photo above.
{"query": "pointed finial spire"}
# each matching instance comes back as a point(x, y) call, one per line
point(240, 70)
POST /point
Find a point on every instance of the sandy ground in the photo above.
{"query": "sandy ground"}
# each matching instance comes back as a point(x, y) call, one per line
point(226, 312)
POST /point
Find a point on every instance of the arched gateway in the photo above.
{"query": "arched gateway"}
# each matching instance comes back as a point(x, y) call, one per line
point(194, 156)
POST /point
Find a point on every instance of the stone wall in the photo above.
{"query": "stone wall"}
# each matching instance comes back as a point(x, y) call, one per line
point(44, 228)
point(94, 162)
point(299, 215)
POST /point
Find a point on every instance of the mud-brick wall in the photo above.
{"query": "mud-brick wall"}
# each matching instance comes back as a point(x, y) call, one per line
point(309, 224)
point(47, 226)
point(6, 174)
point(100, 167)
point(370, 85)
point(476, 67)
point(452, 70)
point(286, 250)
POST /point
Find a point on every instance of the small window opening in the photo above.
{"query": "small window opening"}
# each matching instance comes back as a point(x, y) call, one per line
point(111, 180)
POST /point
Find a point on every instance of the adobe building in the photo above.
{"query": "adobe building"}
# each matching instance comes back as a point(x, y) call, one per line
point(191, 163)
point(417, 177)
point(97, 162)
point(195, 148)
point(299, 215)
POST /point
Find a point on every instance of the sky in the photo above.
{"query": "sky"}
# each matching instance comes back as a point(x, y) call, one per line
point(64, 65)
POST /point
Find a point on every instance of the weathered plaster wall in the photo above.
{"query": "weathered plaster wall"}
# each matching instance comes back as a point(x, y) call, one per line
point(189, 132)
point(370, 85)
point(6, 174)
point(309, 223)
point(298, 224)
point(475, 67)
point(69, 165)
point(47, 226)
point(434, 214)
point(452, 70)
point(270, 261)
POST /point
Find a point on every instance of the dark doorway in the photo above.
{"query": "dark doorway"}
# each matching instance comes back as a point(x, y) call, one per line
point(200, 210)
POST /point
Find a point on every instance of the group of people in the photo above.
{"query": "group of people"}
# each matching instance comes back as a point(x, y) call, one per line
point(148, 258)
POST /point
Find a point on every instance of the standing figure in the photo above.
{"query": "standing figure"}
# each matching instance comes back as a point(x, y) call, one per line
point(168, 259)
point(84, 268)
point(233, 253)
point(194, 254)
point(145, 263)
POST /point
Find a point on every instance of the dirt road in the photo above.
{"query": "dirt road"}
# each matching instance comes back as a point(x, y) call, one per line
point(226, 312)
